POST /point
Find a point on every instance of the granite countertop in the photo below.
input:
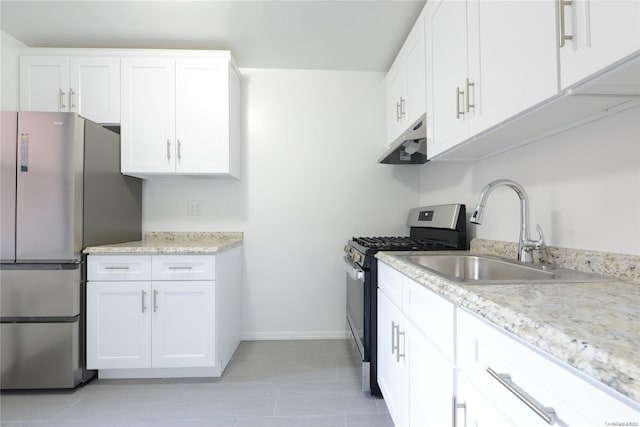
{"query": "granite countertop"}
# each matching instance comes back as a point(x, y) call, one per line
point(173, 243)
point(594, 327)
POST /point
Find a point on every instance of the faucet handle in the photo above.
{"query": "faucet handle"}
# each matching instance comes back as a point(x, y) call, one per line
point(540, 242)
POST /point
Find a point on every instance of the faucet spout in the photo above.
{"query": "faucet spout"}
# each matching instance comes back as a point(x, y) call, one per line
point(525, 243)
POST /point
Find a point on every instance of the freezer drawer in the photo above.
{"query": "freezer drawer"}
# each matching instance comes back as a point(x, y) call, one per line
point(40, 355)
point(43, 292)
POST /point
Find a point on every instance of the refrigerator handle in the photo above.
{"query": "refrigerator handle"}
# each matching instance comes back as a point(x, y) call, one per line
point(24, 152)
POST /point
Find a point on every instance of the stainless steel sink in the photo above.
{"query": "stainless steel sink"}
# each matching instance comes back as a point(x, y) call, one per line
point(474, 269)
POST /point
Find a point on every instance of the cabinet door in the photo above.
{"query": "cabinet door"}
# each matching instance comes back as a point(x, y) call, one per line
point(446, 76)
point(183, 324)
point(416, 103)
point(475, 410)
point(396, 99)
point(118, 325)
point(44, 83)
point(95, 88)
point(148, 119)
point(603, 32)
point(512, 59)
point(202, 116)
point(431, 377)
point(392, 358)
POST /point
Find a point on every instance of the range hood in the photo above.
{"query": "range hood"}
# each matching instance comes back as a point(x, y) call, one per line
point(410, 148)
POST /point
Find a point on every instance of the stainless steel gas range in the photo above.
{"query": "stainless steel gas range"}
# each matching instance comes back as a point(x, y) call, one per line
point(432, 228)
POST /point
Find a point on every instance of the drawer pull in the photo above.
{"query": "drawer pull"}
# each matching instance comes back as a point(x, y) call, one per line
point(404, 346)
point(117, 267)
point(144, 307)
point(393, 337)
point(181, 268)
point(455, 406)
point(546, 413)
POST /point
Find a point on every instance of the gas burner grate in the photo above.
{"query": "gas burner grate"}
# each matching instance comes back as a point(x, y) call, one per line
point(399, 243)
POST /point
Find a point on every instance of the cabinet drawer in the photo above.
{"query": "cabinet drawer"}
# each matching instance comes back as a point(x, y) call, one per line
point(576, 399)
point(118, 267)
point(183, 267)
point(390, 282)
point(431, 314)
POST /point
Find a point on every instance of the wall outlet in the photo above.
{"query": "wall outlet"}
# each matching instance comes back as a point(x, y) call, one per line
point(195, 207)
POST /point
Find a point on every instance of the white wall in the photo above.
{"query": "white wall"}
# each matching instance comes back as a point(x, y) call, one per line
point(583, 185)
point(9, 72)
point(310, 182)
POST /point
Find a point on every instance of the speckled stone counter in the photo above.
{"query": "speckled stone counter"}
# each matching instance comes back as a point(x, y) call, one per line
point(622, 266)
point(594, 327)
point(173, 242)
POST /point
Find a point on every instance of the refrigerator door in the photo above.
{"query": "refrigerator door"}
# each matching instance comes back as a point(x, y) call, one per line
point(49, 187)
point(8, 127)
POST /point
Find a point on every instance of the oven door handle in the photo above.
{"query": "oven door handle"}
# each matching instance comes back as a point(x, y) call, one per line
point(353, 270)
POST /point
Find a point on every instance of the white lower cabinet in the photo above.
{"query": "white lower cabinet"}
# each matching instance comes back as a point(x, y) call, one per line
point(118, 325)
point(496, 367)
point(392, 358)
point(415, 367)
point(183, 321)
point(441, 365)
point(172, 311)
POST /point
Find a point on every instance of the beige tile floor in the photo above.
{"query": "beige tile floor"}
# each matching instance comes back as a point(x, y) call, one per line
point(267, 383)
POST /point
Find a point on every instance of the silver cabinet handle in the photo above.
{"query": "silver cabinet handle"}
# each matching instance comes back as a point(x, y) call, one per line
point(470, 85)
point(458, 93)
point(398, 116)
point(144, 307)
point(563, 35)
point(404, 346)
point(402, 107)
point(546, 413)
point(393, 337)
point(71, 93)
point(117, 267)
point(24, 152)
point(179, 150)
point(455, 407)
point(61, 95)
point(168, 151)
point(188, 267)
point(155, 301)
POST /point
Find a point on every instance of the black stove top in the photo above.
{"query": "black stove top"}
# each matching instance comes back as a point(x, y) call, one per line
point(399, 243)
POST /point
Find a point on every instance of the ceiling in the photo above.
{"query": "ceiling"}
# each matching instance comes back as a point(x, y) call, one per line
point(363, 35)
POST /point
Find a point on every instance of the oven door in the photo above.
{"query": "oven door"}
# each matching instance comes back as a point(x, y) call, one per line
point(356, 277)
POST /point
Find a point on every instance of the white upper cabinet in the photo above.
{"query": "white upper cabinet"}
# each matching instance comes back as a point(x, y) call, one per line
point(405, 81)
point(44, 83)
point(95, 88)
point(179, 116)
point(148, 115)
point(597, 33)
point(202, 115)
point(512, 56)
point(490, 60)
point(87, 85)
point(447, 74)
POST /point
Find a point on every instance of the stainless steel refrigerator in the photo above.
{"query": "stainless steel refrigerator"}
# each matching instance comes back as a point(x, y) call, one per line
point(61, 190)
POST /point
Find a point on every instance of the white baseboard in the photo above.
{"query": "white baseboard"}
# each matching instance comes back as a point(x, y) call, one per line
point(294, 335)
point(209, 372)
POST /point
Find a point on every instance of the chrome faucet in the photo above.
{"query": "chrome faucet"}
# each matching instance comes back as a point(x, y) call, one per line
point(525, 244)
